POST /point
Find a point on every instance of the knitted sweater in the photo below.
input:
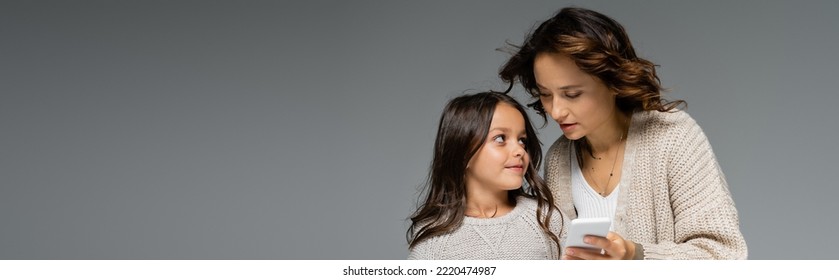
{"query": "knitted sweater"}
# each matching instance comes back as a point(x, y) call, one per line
point(514, 236)
point(673, 198)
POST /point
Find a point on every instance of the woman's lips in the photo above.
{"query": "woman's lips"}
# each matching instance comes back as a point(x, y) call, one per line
point(567, 126)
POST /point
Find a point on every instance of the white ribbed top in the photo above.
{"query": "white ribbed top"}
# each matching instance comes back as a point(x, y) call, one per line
point(589, 203)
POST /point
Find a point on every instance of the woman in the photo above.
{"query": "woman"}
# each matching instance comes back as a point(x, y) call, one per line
point(626, 153)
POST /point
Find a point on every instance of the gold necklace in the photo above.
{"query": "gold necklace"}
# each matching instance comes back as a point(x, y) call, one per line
point(611, 172)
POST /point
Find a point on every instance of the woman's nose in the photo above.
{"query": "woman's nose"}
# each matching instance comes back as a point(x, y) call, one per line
point(558, 111)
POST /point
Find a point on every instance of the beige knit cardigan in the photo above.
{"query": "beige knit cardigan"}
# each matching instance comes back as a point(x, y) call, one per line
point(673, 198)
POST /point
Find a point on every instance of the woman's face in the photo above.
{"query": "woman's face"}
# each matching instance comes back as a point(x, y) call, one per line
point(580, 103)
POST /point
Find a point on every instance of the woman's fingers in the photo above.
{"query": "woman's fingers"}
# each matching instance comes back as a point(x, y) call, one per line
point(583, 254)
point(613, 245)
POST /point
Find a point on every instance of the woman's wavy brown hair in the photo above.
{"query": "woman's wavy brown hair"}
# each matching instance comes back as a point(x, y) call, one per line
point(462, 130)
point(600, 47)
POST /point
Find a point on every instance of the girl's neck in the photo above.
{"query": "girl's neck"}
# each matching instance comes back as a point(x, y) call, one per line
point(609, 136)
point(487, 204)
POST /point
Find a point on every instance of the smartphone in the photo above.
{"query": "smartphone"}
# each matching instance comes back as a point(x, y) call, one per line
point(588, 226)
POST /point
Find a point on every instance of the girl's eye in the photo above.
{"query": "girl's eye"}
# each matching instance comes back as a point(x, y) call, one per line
point(499, 139)
point(523, 143)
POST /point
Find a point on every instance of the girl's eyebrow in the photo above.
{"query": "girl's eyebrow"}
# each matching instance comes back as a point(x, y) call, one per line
point(506, 130)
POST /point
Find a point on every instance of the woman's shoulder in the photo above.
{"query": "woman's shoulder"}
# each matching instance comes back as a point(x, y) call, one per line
point(672, 118)
point(557, 146)
point(665, 123)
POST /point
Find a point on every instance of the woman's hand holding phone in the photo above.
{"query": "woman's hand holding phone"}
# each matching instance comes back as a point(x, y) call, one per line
point(613, 246)
point(590, 239)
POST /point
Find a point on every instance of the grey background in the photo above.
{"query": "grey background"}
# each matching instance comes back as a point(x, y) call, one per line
point(301, 130)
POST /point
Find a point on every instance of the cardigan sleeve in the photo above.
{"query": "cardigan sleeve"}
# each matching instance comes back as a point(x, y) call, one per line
point(706, 225)
point(559, 225)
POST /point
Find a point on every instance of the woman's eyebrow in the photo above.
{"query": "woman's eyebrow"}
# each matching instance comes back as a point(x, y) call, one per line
point(562, 87)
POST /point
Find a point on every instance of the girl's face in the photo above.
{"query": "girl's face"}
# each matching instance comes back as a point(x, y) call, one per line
point(500, 163)
point(580, 103)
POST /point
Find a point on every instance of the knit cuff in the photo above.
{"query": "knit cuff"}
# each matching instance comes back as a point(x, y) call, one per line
point(639, 252)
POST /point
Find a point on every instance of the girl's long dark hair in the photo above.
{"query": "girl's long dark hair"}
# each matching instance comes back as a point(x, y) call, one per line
point(462, 130)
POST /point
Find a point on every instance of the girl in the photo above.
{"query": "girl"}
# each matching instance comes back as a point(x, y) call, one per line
point(626, 153)
point(476, 206)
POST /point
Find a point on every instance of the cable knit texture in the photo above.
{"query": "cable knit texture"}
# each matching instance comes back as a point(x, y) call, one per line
point(673, 199)
point(514, 236)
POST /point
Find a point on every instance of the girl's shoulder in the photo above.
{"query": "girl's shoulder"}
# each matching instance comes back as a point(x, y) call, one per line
point(528, 205)
point(526, 202)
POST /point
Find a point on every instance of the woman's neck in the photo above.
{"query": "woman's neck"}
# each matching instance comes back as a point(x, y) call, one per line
point(610, 135)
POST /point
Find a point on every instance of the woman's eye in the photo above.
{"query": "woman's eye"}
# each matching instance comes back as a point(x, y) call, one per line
point(573, 94)
point(498, 139)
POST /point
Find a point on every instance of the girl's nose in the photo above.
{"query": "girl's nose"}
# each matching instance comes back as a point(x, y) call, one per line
point(518, 151)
